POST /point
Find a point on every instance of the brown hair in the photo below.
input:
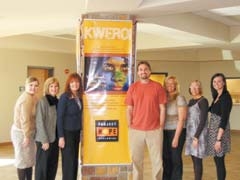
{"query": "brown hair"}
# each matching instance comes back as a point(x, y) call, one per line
point(71, 77)
point(144, 62)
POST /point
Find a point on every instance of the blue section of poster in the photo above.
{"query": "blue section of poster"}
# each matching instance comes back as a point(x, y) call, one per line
point(106, 74)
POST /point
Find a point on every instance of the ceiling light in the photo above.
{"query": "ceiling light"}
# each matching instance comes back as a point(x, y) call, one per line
point(227, 55)
point(153, 3)
point(229, 11)
point(237, 65)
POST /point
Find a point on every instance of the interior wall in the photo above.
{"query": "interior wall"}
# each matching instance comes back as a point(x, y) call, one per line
point(184, 71)
point(13, 72)
point(229, 69)
point(203, 71)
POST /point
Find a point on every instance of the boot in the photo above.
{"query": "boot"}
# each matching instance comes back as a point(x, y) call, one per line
point(29, 173)
point(21, 174)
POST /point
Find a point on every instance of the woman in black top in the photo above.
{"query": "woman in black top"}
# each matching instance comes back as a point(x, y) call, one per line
point(196, 137)
point(219, 141)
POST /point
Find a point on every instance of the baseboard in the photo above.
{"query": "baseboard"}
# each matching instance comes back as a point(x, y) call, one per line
point(235, 131)
point(5, 143)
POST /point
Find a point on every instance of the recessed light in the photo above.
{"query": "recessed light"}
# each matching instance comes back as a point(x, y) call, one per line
point(229, 11)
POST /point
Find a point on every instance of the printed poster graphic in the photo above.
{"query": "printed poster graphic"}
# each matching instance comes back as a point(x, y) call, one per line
point(106, 130)
point(108, 73)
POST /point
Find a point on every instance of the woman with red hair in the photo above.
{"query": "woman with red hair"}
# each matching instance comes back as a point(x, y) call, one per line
point(69, 124)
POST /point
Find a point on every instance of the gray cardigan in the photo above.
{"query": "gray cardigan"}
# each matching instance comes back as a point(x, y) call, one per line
point(46, 121)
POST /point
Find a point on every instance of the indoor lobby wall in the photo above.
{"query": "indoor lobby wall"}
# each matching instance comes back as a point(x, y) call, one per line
point(184, 71)
point(229, 69)
point(188, 71)
point(13, 72)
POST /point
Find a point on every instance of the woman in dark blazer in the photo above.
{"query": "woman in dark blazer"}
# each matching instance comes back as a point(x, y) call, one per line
point(69, 123)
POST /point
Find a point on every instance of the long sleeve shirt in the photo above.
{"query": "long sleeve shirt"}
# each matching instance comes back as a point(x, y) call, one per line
point(46, 121)
point(24, 114)
point(222, 108)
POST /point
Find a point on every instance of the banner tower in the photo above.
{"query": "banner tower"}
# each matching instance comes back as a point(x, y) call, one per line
point(106, 61)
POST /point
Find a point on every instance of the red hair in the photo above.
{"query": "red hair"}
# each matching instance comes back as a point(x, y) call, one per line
point(71, 77)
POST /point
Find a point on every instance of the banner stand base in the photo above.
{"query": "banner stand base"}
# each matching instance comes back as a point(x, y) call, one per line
point(106, 172)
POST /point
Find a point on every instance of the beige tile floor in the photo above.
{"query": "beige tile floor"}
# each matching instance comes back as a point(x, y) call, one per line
point(8, 171)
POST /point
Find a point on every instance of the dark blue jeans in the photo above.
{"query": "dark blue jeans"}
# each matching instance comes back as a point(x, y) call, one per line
point(172, 157)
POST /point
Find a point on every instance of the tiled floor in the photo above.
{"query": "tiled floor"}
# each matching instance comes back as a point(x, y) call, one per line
point(8, 171)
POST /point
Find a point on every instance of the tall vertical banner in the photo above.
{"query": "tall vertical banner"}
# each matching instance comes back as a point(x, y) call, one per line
point(108, 72)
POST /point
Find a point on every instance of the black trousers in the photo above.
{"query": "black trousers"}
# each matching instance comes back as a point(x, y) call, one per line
point(70, 155)
point(220, 167)
point(25, 174)
point(198, 167)
point(172, 157)
point(46, 161)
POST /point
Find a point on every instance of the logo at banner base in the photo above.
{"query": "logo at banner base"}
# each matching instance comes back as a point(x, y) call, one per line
point(106, 130)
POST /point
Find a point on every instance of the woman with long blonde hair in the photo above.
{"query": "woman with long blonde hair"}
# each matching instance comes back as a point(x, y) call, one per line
point(174, 131)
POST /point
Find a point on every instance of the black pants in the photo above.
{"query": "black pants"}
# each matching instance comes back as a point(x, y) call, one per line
point(46, 161)
point(172, 157)
point(220, 167)
point(24, 174)
point(70, 155)
point(198, 167)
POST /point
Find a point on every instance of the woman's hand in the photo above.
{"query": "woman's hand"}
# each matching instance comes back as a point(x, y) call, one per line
point(26, 142)
point(175, 142)
point(61, 142)
point(217, 146)
point(195, 143)
point(45, 146)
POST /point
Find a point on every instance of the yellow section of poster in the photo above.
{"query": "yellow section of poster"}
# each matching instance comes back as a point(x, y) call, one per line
point(105, 135)
point(105, 36)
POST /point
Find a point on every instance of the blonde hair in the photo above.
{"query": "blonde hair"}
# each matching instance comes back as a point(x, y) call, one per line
point(174, 95)
point(199, 85)
point(31, 79)
point(47, 83)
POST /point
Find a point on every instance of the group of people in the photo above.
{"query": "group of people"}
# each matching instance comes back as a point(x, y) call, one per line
point(42, 126)
point(158, 117)
point(161, 118)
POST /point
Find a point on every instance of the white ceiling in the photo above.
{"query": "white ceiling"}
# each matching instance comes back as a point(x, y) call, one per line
point(162, 24)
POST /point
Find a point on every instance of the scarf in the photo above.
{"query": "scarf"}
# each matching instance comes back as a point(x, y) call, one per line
point(52, 100)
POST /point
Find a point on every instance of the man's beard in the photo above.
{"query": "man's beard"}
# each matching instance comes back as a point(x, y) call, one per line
point(145, 76)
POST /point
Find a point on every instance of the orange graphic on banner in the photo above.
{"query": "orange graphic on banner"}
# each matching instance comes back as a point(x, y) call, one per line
point(107, 131)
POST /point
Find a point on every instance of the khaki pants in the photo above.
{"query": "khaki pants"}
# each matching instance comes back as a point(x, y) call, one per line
point(153, 139)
